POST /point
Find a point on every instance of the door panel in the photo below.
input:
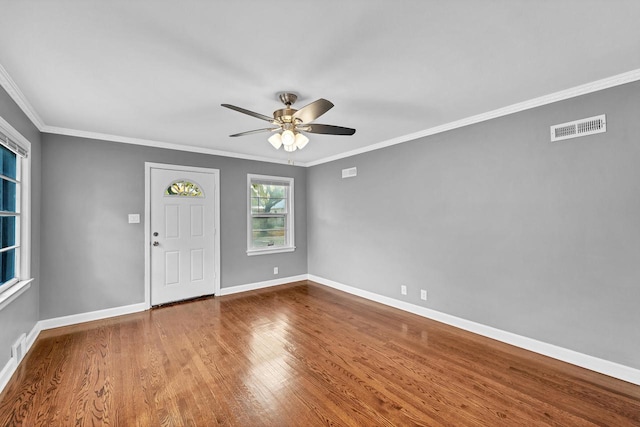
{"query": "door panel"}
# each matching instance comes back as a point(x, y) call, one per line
point(172, 221)
point(197, 221)
point(197, 264)
point(172, 268)
point(183, 235)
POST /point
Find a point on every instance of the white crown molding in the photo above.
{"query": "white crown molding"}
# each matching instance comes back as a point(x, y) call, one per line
point(158, 144)
point(598, 85)
point(16, 94)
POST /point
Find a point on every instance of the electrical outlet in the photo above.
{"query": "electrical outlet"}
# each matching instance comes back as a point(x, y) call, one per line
point(423, 294)
point(275, 270)
point(403, 289)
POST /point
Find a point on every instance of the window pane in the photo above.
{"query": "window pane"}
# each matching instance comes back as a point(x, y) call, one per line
point(7, 265)
point(268, 198)
point(183, 188)
point(268, 232)
point(7, 163)
point(7, 231)
point(7, 196)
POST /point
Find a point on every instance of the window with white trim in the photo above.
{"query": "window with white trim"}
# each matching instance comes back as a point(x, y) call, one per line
point(270, 214)
point(13, 224)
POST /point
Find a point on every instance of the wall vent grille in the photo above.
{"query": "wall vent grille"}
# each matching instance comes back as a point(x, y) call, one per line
point(349, 173)
point(583, 127)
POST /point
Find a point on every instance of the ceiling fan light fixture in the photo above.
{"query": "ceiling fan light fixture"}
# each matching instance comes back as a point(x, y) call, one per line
point(288, 138)
point(288, 123)
point(275, 140)
point(301, 141)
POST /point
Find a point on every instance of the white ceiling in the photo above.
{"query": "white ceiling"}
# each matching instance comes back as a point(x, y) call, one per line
point(159, 70)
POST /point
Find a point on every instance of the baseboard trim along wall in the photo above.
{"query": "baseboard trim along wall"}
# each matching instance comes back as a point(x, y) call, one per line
point(259, 285)
point(57, 322)
point(7, 372)
point(73, 319)
point(602, 366)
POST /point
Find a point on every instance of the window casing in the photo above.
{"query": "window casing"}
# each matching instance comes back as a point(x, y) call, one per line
point(270, 222)
point(14, 218)
point(9, 216)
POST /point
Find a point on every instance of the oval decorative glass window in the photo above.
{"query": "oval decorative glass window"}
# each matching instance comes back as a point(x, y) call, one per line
point(183, 188)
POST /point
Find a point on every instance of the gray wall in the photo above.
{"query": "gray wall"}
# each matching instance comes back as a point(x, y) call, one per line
point(499, 225)
point(93, 259)
point(22, 314)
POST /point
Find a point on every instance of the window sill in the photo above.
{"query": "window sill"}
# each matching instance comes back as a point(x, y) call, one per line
point(13, 292)
point(253, 252)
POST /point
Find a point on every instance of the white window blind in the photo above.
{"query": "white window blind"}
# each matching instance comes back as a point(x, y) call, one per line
point(13, 145)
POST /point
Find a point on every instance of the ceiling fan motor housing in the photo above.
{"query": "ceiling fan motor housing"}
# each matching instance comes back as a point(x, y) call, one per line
point(288, 98)
point(284, 115)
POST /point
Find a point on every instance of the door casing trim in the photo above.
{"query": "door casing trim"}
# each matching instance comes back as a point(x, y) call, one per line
point(147, 222)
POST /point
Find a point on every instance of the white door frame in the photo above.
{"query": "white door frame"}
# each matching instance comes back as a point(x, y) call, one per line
point(147, 222)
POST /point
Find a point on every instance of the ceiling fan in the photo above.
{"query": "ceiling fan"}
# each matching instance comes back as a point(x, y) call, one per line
point(289, 123)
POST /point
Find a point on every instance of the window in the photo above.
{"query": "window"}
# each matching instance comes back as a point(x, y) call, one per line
point(183, 188)
point(270, 219)
point(9, 215)
point(13, 224)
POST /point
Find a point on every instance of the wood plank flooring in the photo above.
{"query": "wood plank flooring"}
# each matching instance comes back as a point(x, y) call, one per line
point(298, 355)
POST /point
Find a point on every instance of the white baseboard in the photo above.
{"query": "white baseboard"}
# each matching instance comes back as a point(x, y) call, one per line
point(58, 322)
point(12, 364)
point(602, 366)
point(7, 372)
point(31, 336)
point(259, 285)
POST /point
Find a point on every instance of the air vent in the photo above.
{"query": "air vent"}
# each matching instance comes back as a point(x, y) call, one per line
point(19, 348)
point(349, 173)
point(597, 124)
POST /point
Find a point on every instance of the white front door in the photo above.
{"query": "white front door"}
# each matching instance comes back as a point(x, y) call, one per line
point(182, 233)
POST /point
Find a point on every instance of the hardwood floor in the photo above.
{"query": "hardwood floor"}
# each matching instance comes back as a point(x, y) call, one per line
point(298, 355)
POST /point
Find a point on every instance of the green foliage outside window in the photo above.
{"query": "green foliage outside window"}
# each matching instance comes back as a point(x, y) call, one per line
point(268, 210)
point(267, 198)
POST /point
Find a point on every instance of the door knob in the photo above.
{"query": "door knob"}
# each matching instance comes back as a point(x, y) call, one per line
point(156, 244)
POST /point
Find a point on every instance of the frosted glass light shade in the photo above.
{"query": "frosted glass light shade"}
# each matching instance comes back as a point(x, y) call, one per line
point(301, 141)
point(289, 148)
point(275, 140)
point(288, 138)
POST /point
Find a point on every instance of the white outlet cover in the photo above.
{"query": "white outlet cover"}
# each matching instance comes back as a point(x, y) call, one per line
point(134, 218)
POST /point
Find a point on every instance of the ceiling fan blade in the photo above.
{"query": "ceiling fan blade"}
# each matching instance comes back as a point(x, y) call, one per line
point(250, 132)
point(327, 129)
point(310, 112)
point(250, 113)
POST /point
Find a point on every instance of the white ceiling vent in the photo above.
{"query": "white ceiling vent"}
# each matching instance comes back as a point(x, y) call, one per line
point(589, 126)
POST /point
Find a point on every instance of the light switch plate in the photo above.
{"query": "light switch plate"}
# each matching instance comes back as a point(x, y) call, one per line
point(134, 218)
